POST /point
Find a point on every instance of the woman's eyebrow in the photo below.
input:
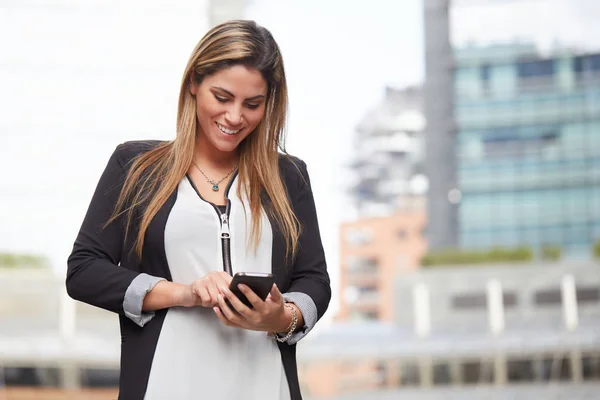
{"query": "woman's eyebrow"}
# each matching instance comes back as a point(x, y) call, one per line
point(258, 97)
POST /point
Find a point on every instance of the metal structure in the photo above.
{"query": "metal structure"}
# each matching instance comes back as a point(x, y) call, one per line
point(440, 159)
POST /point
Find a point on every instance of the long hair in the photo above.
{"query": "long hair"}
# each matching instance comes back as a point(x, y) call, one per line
point(155, 175)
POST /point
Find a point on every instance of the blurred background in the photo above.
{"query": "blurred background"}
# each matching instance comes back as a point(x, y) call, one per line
point(454, 152)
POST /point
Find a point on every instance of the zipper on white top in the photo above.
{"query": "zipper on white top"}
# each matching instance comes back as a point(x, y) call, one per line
point(225, 234)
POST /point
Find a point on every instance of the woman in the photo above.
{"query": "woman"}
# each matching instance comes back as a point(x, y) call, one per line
point(170, 222)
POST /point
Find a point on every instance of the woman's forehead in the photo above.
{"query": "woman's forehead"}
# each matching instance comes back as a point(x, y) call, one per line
point(238, 80)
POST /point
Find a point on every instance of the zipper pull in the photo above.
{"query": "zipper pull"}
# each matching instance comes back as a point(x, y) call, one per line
point(224, 226)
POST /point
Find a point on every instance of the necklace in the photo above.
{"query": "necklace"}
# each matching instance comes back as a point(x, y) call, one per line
point(215, 184)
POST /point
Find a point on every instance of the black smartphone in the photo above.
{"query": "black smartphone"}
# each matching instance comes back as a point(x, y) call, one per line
point(260, 283)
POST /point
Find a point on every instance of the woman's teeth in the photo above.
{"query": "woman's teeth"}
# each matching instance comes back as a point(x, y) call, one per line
point(227, 131)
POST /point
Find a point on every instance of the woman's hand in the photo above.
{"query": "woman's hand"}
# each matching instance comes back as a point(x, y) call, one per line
point(269, 315)
point(205, 291)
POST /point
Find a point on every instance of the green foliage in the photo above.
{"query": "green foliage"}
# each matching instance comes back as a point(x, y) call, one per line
point(465, 257)
point(551, 253)
point(12, 260)
point(596, 249)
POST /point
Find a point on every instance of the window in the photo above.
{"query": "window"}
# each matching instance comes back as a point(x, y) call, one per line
point(520, 370)
point(510, 141)
point(478, 372)
point(484, 73)
point(547, 297)
point(410, 375)
point(586, 65)
point(591, 366)
point(556, 368)
point(22, 377)
point(441, 374)
point(509, 299)
point(358, 236)
point(100, 378)
point(364, 315)
point(479, 300)
point(469, 301)
point(588, 295)
point(535, 69)
point(362, 265)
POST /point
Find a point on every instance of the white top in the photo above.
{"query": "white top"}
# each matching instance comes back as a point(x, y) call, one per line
point(197, 357)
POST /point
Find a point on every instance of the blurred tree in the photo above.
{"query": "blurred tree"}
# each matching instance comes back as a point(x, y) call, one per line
point(596, 249)
point(14, 260)
point(465, 257)
point(551, 253)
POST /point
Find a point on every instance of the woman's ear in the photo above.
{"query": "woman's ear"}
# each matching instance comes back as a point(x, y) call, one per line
point(193, 86)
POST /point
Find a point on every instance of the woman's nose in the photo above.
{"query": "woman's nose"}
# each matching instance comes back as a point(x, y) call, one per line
point(233, 116)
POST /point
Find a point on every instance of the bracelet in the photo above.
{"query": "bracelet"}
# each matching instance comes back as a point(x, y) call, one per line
point(291, 328)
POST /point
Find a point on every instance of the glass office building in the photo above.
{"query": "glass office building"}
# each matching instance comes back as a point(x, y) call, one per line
point(528, 148)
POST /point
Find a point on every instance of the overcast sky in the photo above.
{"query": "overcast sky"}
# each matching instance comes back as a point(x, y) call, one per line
point(80, 77)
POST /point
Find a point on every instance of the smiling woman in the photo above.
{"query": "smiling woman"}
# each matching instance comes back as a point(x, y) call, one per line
point(228, 116)
point(170, 222)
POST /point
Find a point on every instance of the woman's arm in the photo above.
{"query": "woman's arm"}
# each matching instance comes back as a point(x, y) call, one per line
point(310, 288)
point(165, 294)
point(93, 272)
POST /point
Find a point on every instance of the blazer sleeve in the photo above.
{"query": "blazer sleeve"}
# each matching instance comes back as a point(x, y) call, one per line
point(309, 275)
point(93, 272)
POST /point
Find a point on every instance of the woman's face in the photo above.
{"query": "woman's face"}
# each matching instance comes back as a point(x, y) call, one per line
point(229, 105)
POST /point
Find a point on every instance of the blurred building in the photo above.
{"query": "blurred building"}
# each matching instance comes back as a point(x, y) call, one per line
point(528, 147)
point(512, 142)
point(527, 331)
point(387, 238)
point(388, 162)
point(465, 332)
point(389, 192)
point(373, 252)
point(47, 340)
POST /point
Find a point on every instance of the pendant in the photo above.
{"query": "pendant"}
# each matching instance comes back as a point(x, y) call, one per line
point(215, 187)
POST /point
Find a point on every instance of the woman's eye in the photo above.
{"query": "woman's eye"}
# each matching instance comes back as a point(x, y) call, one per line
point(220, 99)
point(252, 106)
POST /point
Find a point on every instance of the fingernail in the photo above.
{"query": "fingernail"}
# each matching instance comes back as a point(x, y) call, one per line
point(220, 297)
point(242, 287)
point(224, 290)
point(216, 309)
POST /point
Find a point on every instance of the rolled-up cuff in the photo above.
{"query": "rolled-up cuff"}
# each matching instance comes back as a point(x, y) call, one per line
point(134, 298)
point(307, 307)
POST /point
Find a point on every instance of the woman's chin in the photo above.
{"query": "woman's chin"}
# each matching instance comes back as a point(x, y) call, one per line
point(226, 146)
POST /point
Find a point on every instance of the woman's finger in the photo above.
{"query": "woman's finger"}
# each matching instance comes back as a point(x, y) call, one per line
point(221, 317)
point(276, 295)
point(227, 311)
point(237, 304)
point(214, 295)
point(252, 297)
point(203, 295)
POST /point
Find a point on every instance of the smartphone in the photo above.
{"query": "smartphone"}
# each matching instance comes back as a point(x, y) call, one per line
point(260, 283)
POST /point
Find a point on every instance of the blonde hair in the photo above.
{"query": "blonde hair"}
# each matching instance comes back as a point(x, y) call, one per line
point(154, 175)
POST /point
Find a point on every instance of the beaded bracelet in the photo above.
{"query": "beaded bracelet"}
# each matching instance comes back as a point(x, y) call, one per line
point(291, 328)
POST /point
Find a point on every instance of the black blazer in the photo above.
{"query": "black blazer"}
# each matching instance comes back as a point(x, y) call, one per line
point(102, 266)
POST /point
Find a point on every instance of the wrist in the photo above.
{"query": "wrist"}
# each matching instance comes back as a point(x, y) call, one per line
point(285, 321)
point(180, 295)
